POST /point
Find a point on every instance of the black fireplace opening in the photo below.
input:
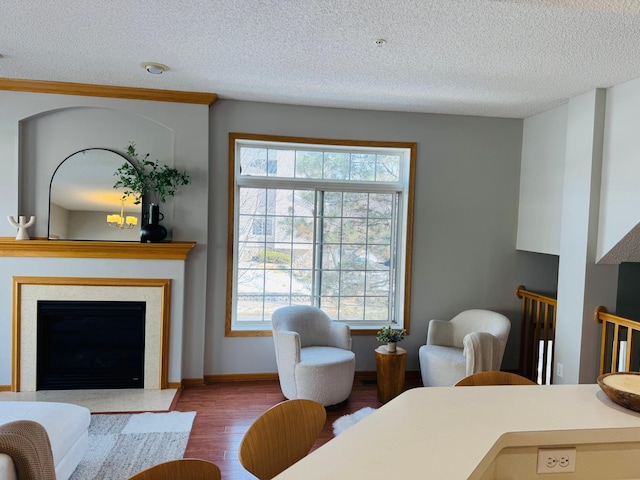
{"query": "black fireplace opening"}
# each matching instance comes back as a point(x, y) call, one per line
point(90, 345)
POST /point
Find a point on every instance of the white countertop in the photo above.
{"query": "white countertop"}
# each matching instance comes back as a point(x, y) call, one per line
point(445, 432)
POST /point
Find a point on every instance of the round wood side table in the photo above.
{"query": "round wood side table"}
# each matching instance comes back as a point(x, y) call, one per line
point(390, 369)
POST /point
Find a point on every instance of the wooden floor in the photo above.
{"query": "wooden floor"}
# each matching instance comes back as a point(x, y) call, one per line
point(226, 410)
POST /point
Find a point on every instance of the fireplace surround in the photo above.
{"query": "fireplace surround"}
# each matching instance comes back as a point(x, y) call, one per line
point(80, 268)
point(155, 293)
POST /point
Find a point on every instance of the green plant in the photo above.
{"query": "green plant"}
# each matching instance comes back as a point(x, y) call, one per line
point(273, 256)
point(388, 334)
point(141, 177)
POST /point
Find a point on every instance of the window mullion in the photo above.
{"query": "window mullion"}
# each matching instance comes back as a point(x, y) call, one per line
point(318, 222)
point(393, 271)
point(264, 256)
point(341, 249)
point(367, 256)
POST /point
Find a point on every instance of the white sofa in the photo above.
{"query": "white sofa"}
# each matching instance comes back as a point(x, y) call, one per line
point(66, 425)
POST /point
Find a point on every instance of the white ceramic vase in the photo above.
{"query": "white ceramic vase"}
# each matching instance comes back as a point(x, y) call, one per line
point(391, 347)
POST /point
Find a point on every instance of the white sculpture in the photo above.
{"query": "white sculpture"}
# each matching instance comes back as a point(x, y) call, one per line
point(22, 226)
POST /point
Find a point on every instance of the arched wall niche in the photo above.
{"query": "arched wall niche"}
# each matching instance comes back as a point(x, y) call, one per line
point(49, 137)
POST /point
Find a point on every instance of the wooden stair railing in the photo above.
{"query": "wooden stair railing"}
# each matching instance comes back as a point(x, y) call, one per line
point(617, 346)
point(537, 335)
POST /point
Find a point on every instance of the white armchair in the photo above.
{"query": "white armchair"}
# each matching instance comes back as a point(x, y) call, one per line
point(473, 341)
point(313, 354)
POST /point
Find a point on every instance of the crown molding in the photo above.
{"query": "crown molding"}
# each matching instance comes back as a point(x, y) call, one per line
point(106, 91)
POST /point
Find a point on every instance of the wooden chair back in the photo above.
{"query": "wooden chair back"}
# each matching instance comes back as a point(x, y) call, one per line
point(281, 436)
point(494, 378)
point(191, 468)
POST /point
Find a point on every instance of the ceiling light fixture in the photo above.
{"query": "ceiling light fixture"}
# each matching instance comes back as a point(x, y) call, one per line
point(121, 221)
point(154, 68)
point(380, 42)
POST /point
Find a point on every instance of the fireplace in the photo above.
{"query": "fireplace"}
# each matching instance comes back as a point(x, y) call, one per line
point(90, 345)
point(146, 298)
point(96, 271)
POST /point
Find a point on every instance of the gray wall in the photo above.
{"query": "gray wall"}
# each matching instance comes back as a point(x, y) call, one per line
point(466, 207)
point(467, 184)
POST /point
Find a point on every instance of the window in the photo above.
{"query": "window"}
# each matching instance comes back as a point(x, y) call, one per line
point(262, 226)
point(319, 222)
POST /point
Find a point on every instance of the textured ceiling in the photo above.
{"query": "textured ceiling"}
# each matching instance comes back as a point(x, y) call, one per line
point(477, 57)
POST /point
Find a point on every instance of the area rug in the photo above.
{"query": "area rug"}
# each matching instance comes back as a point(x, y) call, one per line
point(347, 421)
point(121, 445)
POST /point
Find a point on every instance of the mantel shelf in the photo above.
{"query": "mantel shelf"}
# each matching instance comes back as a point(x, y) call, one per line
point(9, 247)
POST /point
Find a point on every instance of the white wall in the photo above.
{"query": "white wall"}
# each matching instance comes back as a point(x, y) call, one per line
point(59, 220)
point(541, 181)
point(620, 197)
point(600, 206)
point(467, 176)
point(580, 282)
point(38, 131)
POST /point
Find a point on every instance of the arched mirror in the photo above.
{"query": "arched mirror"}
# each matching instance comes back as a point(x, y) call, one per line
point(83, 205)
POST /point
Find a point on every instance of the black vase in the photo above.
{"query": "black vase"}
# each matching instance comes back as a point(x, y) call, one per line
point(153, 231)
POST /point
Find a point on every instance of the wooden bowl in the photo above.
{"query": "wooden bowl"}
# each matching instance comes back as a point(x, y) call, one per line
point(622, 388)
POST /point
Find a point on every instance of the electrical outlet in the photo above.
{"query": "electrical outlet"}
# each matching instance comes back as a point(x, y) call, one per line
point(556, 460)
point(559, 370)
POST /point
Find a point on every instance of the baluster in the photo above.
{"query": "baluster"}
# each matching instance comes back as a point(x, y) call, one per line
point(614, 348)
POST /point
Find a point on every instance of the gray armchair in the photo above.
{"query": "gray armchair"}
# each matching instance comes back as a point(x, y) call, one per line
point(473, 341)
point(313, 354)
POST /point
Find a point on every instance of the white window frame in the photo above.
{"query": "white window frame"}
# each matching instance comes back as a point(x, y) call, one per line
point(404, 186)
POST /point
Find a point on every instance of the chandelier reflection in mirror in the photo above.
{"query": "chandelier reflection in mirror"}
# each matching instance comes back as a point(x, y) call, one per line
point(120, 221)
